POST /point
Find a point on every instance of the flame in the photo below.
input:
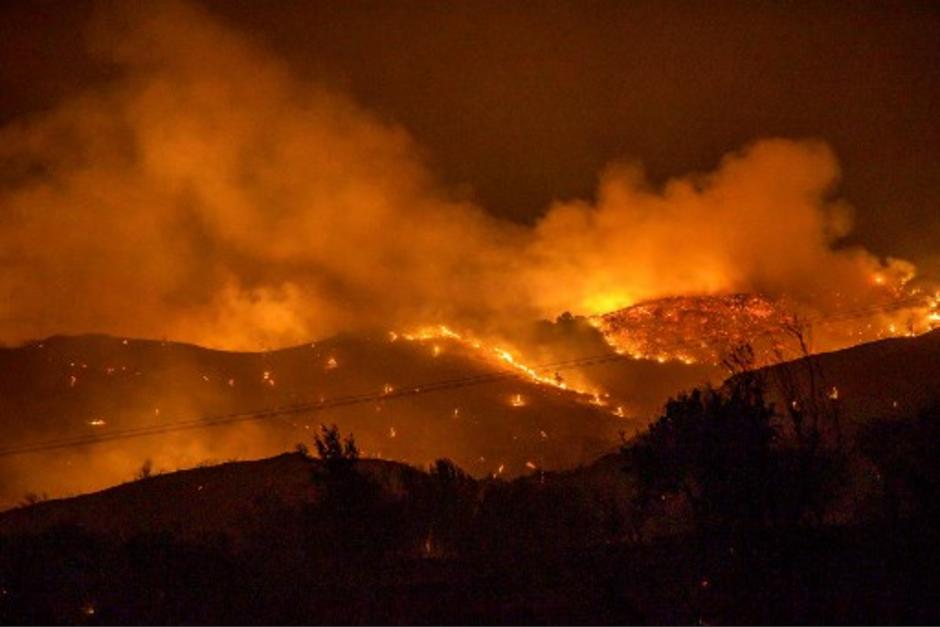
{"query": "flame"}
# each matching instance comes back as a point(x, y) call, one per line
point(705, 329)
point(498, 353)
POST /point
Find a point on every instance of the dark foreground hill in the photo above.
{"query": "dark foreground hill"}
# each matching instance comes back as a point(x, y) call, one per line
point(888, 378)
point(285, 540)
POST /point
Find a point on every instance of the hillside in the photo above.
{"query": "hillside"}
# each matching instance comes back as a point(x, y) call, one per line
point(893, 377)
point(236, 498)
point(888, 378)
point(229, 499)
point(92, 385)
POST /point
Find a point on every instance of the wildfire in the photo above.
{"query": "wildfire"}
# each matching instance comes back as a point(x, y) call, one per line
point(517, 401)
point(705, 329)
point(498, 353)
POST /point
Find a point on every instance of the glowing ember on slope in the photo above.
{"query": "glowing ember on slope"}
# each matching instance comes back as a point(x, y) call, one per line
point(502, 354)
point(505, 357)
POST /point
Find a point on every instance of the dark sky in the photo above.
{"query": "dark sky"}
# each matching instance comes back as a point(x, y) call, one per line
point(525, 102)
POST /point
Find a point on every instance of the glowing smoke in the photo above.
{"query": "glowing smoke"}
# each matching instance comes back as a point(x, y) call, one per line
point(209, 195)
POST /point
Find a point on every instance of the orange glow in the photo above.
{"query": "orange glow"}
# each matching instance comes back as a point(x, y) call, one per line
point(500, 354)
point(271, 212)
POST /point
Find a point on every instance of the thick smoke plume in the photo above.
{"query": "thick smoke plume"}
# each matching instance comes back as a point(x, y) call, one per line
point(207, 194)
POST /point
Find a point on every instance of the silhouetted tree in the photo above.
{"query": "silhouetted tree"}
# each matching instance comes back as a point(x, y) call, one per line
point(453, 494)
point(714, 448)
point(811, 427)
point(353, 519)
point(333, 449)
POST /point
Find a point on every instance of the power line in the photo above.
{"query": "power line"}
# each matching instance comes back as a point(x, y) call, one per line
point(400, 392)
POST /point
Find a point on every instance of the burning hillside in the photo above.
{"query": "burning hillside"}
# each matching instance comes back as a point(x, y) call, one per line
point(706, 329)
point(691, 329)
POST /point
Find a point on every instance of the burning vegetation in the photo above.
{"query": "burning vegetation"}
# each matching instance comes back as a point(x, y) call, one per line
point(705, 329)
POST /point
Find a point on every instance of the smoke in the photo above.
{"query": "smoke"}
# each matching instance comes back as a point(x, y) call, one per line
point(763, 222)
point(207, 194)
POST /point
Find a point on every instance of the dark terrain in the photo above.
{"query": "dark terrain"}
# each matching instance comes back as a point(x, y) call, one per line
point(735, 507)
